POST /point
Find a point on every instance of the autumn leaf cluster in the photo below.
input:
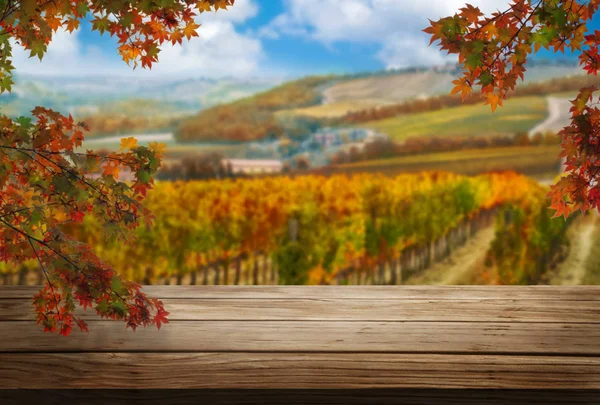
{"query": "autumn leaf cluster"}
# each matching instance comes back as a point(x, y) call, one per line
point(493, 51)
point(46, 185)
point(48, 181)
point(140, 26)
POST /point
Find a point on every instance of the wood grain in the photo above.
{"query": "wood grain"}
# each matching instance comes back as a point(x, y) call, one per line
point(229, 337)
point(552, 293)
point(304, 309)
point(289, 370)
point(314, 336)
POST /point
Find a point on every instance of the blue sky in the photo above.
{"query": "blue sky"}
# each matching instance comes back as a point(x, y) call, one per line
point(274, 38)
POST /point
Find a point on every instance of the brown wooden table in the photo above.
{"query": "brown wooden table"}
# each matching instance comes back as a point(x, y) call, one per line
point(227, 337)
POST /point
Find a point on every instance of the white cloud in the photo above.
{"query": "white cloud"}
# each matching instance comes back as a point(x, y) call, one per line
point(240, 12)
point(220, 51)
point(65, 53)
point(395, 25)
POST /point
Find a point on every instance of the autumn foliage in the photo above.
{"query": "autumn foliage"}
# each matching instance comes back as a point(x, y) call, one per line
point(493, 51)
point(342, 222)
point(48, 182)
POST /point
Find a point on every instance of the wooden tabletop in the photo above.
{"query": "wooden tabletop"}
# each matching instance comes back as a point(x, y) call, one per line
point(319, 337)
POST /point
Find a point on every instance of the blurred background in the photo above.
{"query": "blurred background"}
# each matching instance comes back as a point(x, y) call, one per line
point(315, 142)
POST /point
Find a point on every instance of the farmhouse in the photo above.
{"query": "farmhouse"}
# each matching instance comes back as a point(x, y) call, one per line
point(251, 166)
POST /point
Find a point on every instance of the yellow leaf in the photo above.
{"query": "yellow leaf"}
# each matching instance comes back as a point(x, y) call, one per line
point(203, 5)
point(461, 86)
point(128, 143)
point(491, 30)
point(60, 216)
point(494, 100)
point(190, 30)
point(158, 147)
point(221, 4)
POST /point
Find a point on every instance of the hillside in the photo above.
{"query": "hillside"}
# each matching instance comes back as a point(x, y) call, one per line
point(419, 83)
point(253, 117)
point(292, 109)
point(518, 115)
point(115, 105)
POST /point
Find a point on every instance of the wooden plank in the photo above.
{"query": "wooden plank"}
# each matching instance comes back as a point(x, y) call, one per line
point(574, 293)
point(285, 370)
point(474, 310)
point(311, 336)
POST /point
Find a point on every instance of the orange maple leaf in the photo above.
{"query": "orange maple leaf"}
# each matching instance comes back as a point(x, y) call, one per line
point(461, 86)
point(111, 170)
point(494, 100)
point(190, 30)
point(471, 13)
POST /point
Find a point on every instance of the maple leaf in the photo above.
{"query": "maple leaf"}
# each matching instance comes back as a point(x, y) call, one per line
point(490, 30)
point(461, 86)
point(158, 148)
point(161, 317)
point(60, 216)
point(177, 37)
point(66, 329)
point(471, 13)
point(203, 5)
point(77, 216)
point(111, 170)
point(53, 22)
point(435, 30)
point(190, 30)
point(493, 100)
point(221, 4)
point(82, 325)
point(72, 24)
point(128, 143)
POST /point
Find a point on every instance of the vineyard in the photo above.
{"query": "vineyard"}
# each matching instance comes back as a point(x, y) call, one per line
point(364, 229)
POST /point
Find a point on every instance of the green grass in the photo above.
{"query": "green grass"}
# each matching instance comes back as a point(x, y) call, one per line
point(517, 115)
point(539, 161)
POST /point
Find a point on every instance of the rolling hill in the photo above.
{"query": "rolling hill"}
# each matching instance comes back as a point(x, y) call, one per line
point(293, 108)
point(253, 117)
point(116, 102)
point(518, 115)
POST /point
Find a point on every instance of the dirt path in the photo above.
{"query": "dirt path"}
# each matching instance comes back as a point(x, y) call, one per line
point(573, 270)
point(558, 116)
point(461, 265)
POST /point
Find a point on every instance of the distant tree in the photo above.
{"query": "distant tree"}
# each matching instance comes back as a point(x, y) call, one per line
point(45, 182)
point(493, 52)
point(197, 167)
point(302, 163)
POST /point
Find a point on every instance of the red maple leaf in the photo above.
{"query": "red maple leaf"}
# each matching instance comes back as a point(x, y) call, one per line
point(161, 317)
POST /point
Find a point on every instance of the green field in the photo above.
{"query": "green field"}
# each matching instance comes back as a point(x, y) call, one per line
point(538, 161)
point(517, 115)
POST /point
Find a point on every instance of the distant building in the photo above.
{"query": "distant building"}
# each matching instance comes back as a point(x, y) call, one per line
point(252, 166)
